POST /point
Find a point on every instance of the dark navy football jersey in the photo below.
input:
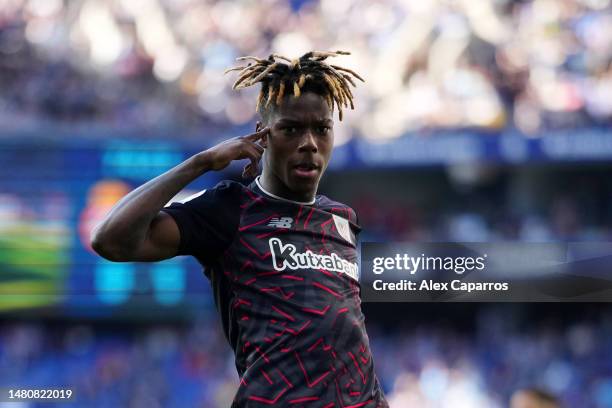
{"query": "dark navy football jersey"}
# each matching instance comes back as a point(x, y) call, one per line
point(285, 280)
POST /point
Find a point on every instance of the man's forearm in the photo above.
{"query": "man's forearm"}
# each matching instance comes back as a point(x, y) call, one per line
point(127, 224)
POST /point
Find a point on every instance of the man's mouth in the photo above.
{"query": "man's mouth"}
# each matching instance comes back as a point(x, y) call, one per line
point(306, 169)
point(306, 166)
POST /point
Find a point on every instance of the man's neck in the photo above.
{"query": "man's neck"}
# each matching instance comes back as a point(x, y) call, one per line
point(273, 186)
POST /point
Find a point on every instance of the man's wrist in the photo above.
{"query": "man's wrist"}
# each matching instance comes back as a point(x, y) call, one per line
point(201, 162)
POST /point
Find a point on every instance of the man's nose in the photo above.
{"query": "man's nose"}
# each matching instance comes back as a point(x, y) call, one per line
point(308, 142)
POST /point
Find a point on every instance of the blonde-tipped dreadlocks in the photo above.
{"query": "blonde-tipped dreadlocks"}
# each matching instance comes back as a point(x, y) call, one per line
point(278, 78)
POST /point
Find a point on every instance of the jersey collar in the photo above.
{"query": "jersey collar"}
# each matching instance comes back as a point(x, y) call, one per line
point(282, 198)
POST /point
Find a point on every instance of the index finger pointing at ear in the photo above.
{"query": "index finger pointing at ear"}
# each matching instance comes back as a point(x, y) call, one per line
point(257, 135)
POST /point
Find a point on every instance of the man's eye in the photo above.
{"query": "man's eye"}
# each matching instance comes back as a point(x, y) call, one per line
point(324, 129)
point(290, 129)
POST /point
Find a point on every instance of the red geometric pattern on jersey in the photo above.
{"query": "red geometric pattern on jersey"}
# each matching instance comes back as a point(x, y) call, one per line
point(298, 335)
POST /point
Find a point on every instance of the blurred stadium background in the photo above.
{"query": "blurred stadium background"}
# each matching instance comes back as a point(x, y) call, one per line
point(479, 121)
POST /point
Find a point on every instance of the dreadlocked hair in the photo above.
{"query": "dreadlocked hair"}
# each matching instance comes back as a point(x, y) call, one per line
point(310, 72)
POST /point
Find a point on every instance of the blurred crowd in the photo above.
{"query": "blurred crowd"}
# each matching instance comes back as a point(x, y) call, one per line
point(530, 205)
point(490, 65)
point(434, 366)
point(429, 365)
point(566, 220)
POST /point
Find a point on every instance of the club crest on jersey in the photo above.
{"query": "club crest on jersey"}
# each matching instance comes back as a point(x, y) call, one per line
point(282, 222)
point(343, 227)
point(285, 256)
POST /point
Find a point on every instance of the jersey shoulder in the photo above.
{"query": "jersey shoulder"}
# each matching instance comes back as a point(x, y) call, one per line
point(230, 187)
point(223, 191)
point(208, 220)
point(335, 207)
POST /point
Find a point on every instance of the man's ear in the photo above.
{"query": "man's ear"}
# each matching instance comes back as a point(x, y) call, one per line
point(264, 139)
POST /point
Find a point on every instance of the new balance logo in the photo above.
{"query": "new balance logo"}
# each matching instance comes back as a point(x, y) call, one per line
point(282, 222)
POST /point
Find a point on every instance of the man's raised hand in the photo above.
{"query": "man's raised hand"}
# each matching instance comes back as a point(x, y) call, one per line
point(238, 148)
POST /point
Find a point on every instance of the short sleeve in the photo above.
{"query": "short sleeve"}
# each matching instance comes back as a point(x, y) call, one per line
point(208, 221)
point(354, 222)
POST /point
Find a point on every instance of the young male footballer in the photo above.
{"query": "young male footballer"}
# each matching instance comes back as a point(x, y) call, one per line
point(282, 260)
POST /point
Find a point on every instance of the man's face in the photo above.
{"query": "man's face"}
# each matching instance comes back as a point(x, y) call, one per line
point(300, 142)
